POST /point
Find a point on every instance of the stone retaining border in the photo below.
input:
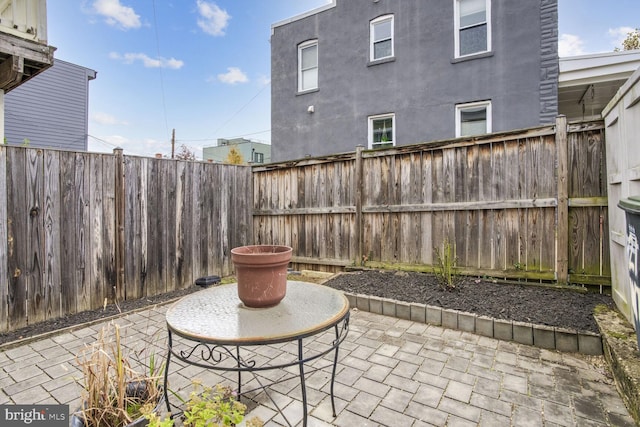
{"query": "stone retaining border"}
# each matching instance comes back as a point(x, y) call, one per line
point(621, 353)
point(542, 336)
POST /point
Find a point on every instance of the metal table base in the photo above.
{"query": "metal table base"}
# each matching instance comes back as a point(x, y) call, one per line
point(212, 329)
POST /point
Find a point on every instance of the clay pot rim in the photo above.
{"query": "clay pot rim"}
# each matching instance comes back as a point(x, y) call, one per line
point(259, 250)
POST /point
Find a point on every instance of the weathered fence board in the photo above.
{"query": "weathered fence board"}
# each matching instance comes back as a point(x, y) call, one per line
point(17, 221)
point(132, 226)
point(587, 216)
point(4, 241)
point(36, 293)
point(108, 272)
point(182, 267)
point(169, 211)
point(83, 232)
point(97, 290)
point(67, 256)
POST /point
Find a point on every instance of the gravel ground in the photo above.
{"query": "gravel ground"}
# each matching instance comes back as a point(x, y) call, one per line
point(541, 305)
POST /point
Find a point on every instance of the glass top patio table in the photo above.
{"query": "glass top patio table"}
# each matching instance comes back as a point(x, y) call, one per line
point(218, 325)
point(216, 315)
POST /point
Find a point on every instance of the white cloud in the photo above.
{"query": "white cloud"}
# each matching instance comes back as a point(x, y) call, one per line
point(147, 61)
point(213, 20)
point(116, 14)
point(233, 75)
point(263, 80)
point(106, 119)
point(618, 35)
point(570, 45)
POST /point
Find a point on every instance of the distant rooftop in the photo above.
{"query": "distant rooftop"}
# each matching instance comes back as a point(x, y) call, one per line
point(588, 82)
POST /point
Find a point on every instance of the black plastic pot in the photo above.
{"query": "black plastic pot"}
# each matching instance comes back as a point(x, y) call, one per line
point(134, 389)
point(207, 281)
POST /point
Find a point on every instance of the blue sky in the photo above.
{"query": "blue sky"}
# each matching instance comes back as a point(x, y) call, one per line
point(202, 67)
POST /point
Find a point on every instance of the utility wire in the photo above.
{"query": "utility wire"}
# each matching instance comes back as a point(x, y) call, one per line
point(241, 108)
point(164, 105)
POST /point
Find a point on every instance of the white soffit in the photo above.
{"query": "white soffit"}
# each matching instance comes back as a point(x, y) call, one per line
point(598, 68)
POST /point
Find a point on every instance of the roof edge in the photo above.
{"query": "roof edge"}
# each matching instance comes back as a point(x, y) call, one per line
point(587, 69)
point(626, 87)
point(303, 15)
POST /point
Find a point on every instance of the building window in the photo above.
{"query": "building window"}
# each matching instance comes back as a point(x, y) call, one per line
point(382, 132)
point(473, 26)
point(308, 66)
point(381, 36)
point(258, 157)
point(473, 118)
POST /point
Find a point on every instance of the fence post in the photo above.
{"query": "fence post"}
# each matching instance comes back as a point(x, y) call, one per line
point(562, 239)
point(118, 291)
point(358, 192)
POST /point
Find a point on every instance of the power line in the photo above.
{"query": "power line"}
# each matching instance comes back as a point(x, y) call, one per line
point(164, 105)
point(128, 149)
point(102, 141)
point(241, 108)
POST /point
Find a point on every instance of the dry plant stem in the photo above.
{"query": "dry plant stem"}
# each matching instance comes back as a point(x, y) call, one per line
point(447, 262)
point(113, 391)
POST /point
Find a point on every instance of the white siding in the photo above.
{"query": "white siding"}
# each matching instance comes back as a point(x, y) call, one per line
point(622, 126)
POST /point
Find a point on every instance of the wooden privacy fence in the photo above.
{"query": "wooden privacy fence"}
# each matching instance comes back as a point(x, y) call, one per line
point(79, 229)
point(523, 205)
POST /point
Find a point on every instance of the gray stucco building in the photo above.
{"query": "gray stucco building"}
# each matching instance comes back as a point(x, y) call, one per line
point(394, 72)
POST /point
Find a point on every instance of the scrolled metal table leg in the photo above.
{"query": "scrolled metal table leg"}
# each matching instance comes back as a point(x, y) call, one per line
point(302, 384)
point(239, 371)
point(166, 374)
point(333, 371)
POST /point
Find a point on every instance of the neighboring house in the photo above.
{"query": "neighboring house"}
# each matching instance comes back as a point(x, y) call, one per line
point(51, 110)
point(385, 73)
point(24, 52)
point(252, 152)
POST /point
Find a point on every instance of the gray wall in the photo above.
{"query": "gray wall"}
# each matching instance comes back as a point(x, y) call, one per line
point(421, 85)
point(51, 109)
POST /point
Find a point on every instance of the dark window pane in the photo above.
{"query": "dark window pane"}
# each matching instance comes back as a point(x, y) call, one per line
point(382, 130)
point(473, 39)
point(382, 49)
point(473, 121)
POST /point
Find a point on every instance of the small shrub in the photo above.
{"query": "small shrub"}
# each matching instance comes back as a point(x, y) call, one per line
point(208, 406)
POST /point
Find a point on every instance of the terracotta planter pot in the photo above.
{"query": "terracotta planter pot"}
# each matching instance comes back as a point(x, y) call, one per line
point(261, 271)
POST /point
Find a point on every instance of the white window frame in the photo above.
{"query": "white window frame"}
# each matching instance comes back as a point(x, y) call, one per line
point(461, 107)
point(456, 8)
point(372, 26)
point(371, 119)
point(301, 47)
